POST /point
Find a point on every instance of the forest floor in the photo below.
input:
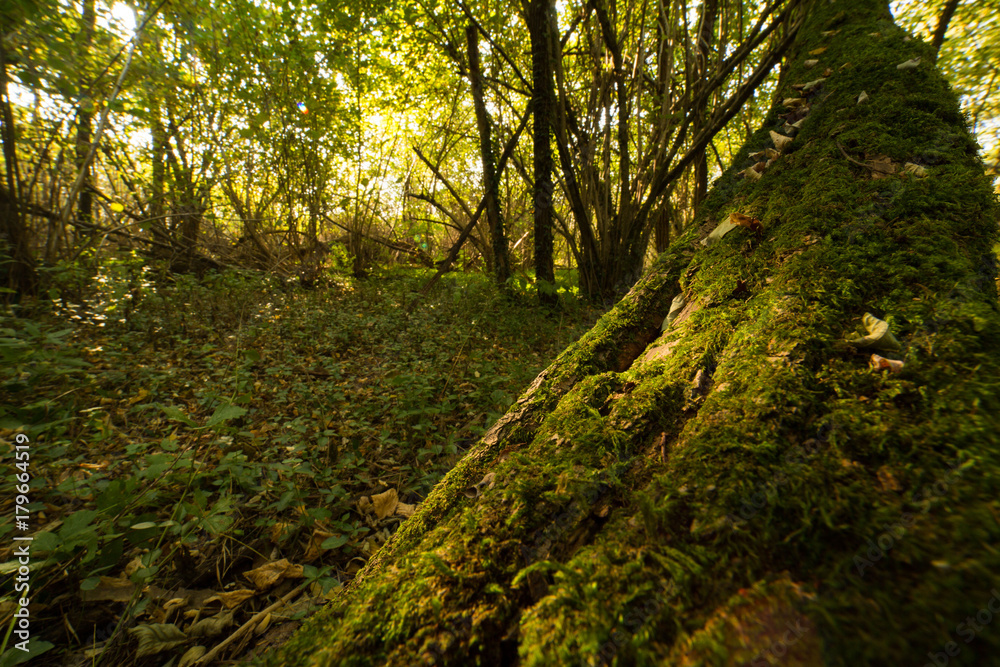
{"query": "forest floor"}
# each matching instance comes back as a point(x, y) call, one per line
point(202, 450)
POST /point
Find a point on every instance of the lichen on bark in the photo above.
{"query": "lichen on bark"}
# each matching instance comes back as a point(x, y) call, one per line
point(754, 490)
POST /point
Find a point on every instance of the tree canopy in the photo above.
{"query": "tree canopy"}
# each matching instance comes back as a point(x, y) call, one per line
point(235, 133)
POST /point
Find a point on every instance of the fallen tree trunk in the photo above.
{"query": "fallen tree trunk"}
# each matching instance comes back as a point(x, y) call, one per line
point(748, 486)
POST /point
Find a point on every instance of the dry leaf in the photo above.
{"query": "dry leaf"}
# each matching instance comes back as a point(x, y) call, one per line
point(915, 169)
point(112, 589)
point(720, 230)
point(809, 86)
point(477, 488)
point(263, 625)
point(781, 142)
point(882, 166)
point(740, 220)
point(794, 102)
point(791, 129)
point(809, 64)
point(192, 655)
point(211, 626)
point(827, 72)
point(315, 548)
point(676, 306)
point(269, 574)
point(883, 364)
point(157, 637)
point(364, 504)
point(280, 531)
point(232, 599)
point(751, 174)
point(863, 97)
point(829, 33)
point(405, 510)
point(816, 52)
point(879, 337)
point(909, 64)
point(385, 503)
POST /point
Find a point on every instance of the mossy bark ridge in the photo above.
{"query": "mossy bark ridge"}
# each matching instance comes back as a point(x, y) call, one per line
point(744, 487)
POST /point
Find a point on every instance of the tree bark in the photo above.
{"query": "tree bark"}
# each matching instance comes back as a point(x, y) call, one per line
point(747, 486)
point(942, 25)
point(491, 181)
point(541, 103)
point(19, 273)
point(85, 118)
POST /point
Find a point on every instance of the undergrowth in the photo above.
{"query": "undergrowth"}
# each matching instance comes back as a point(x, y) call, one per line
point(184, 432)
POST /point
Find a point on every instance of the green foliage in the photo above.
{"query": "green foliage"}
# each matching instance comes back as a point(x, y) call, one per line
point(235, 410)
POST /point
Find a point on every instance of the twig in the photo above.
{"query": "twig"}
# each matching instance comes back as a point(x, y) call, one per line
point(249, 625)
point(860, 164)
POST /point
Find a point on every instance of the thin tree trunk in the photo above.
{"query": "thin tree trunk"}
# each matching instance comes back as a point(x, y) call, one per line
point(541, 74)
point(748, 486)
point(491, 182)
point(944, 19)
point(19, 273)
point(84, 119)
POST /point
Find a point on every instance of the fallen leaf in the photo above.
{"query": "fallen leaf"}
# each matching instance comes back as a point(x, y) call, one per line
point(879, 337)
point(828, 72)
point(909, 64)
point(794, 102)
point(829, 33)
point(816, 52)
point(676, 305)
point(157, 637)
point(741, 220)
point(781, 142)
point(112, 589)
point(883, 364)
point(720, 230)
point(192, 655)
point(915, 169)
point(809, 86)
point(232, 599)
point(405, 510)
point(809, 64)
point(863, 97)
point(882, 166)
point(269, 574)
point(211, 626)
point(751, 174)
point(385, 503)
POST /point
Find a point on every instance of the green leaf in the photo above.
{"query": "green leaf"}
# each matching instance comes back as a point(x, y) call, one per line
point(15, 656)
point(334, 542)
point(175, 413)
point(224, 413)
point(89, 583)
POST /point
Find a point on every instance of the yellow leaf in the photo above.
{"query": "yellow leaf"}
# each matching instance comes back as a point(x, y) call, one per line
point(816, 52)
point(116, 207)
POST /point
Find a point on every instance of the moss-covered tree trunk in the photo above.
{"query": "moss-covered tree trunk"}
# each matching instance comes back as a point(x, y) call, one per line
point(745, 488)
